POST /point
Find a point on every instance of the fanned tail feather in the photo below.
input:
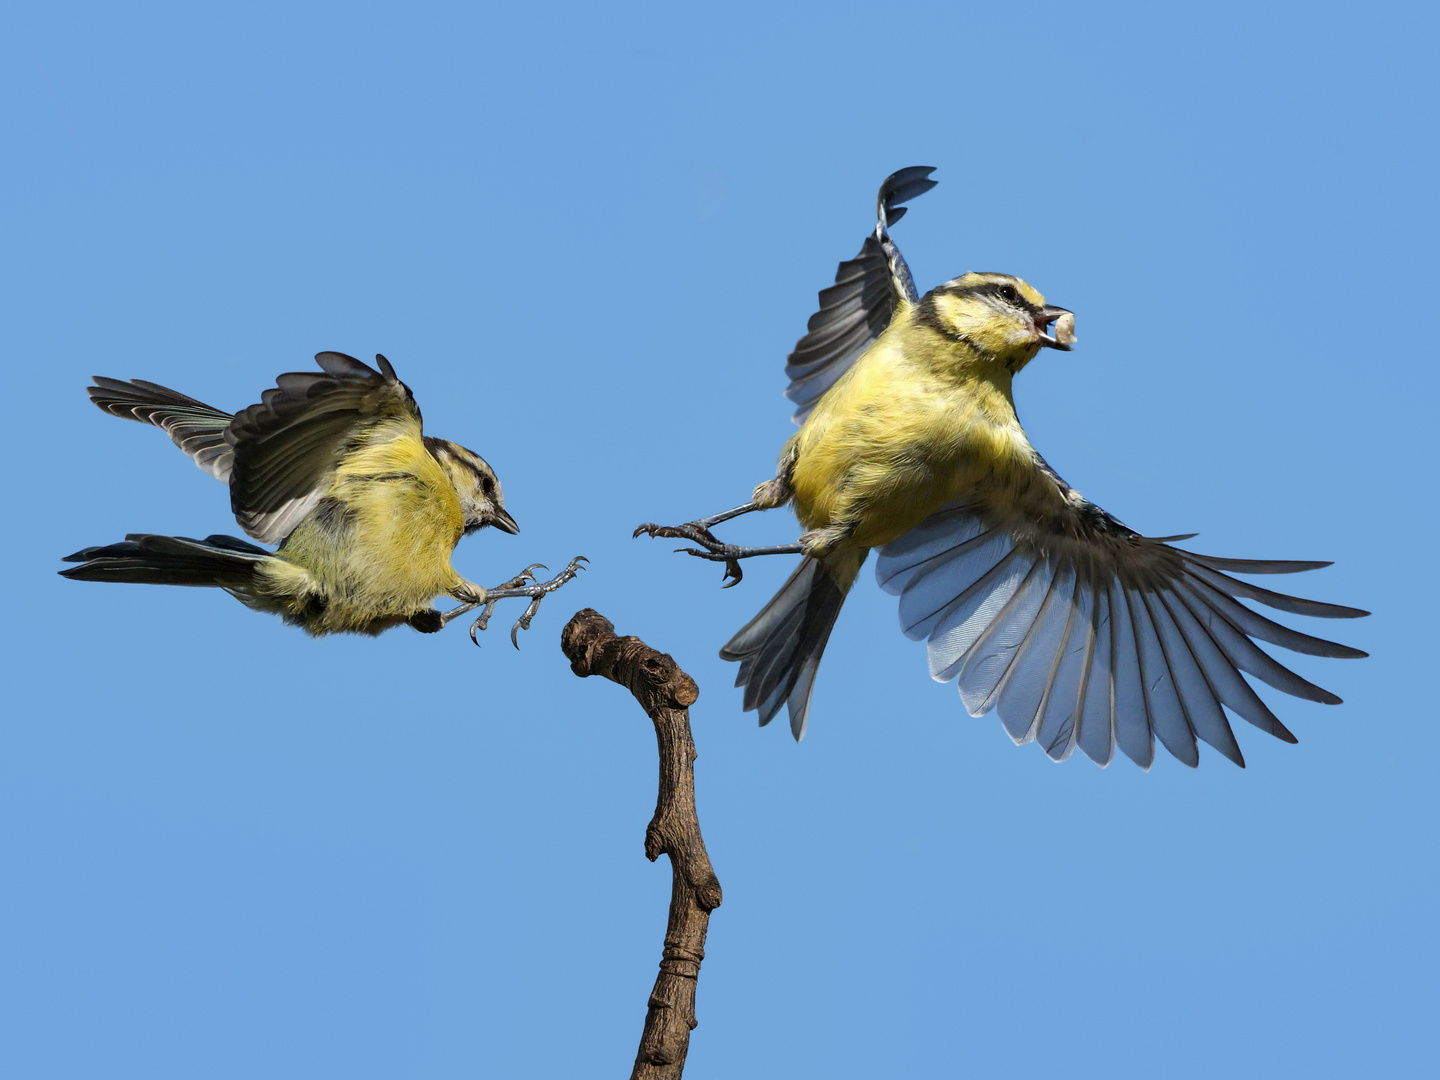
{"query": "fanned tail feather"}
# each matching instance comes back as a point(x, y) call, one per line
point(779, 649)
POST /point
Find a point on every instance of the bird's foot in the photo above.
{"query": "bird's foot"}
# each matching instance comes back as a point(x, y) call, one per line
point(694, 531)
point(697, 533)
point(713, 550)
point(536, 590)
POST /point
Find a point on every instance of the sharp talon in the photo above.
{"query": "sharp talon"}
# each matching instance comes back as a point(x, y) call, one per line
point(698, 532)
point(648, 527)
point(535, 591)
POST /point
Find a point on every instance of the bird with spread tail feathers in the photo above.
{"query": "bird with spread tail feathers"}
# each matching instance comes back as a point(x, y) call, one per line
point(1079, 631)
point(335, 468)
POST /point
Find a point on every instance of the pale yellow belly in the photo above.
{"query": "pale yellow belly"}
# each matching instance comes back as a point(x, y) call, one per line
point(889, 453)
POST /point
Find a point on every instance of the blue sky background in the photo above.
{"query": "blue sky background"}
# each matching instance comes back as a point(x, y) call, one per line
point(587, 239)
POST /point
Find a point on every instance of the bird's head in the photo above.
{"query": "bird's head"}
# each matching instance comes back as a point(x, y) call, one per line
point(1000, 317)
point(476, 484)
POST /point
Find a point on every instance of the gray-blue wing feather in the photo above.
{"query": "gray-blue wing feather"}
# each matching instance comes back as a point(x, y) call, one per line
point(1100, 639)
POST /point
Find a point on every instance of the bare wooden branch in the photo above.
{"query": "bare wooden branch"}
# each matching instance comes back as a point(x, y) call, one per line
point(665, 693)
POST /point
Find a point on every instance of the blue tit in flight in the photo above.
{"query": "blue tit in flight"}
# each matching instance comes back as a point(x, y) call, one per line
point(332, 466)
point(1077, 630)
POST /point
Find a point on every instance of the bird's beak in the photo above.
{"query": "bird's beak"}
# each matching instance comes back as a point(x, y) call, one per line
point(504, 522)
point(1064, 333)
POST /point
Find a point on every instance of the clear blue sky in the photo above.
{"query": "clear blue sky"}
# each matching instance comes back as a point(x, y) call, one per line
point(587, 239)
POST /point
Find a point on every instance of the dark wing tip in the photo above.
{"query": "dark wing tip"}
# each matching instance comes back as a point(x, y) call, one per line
point(900, 187)
point(385, 368)
point(343, 365)
point(1340, 611)
point(102, 392)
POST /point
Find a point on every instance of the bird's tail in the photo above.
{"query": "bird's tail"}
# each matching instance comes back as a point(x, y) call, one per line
point(219, 561)
point(779, 649)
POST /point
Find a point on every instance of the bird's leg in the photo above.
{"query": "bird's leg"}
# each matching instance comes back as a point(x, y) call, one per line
point(767, 496)
point(473, 596)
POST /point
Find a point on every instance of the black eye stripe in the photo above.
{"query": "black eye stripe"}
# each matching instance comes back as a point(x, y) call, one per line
point(448, 453)
point(1001, 291)
point(485, 479)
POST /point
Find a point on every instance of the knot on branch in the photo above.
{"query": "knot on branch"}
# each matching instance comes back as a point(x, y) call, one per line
point(591, 645)
point(708, 894)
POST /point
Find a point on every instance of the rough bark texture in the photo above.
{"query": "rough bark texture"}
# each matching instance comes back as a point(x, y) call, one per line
point(665, 693)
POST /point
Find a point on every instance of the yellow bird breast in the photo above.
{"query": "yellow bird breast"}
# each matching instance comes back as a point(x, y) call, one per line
point(901, 434)
point(378, 545)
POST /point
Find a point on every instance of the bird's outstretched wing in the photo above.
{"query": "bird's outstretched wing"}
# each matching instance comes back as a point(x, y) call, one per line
point(287, 447)
point(1084, 633)
point(195, 427)
point(859, 306)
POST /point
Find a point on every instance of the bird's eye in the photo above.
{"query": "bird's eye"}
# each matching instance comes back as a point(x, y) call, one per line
point(1009, 293)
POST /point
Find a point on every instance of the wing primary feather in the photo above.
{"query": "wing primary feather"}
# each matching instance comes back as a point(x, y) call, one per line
point(1280, 601)
point(861, 303)
point(1255, 566)
point(344, 366)
point(1097, 714)
point(1222, 672)
point(1167, 711)
point(900, 187)
point(1258, 626)
point(1064, 694)
point(1246, 655)
point(196, 428)
point(1134, 730)
point(1196, 691)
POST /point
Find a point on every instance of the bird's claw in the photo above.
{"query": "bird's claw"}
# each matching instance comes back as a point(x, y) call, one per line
point(535, 591)
point(725, 553)
point(715, 551)
point(691, 530)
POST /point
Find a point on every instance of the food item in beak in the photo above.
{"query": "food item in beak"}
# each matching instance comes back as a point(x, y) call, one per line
point(1065, 329)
